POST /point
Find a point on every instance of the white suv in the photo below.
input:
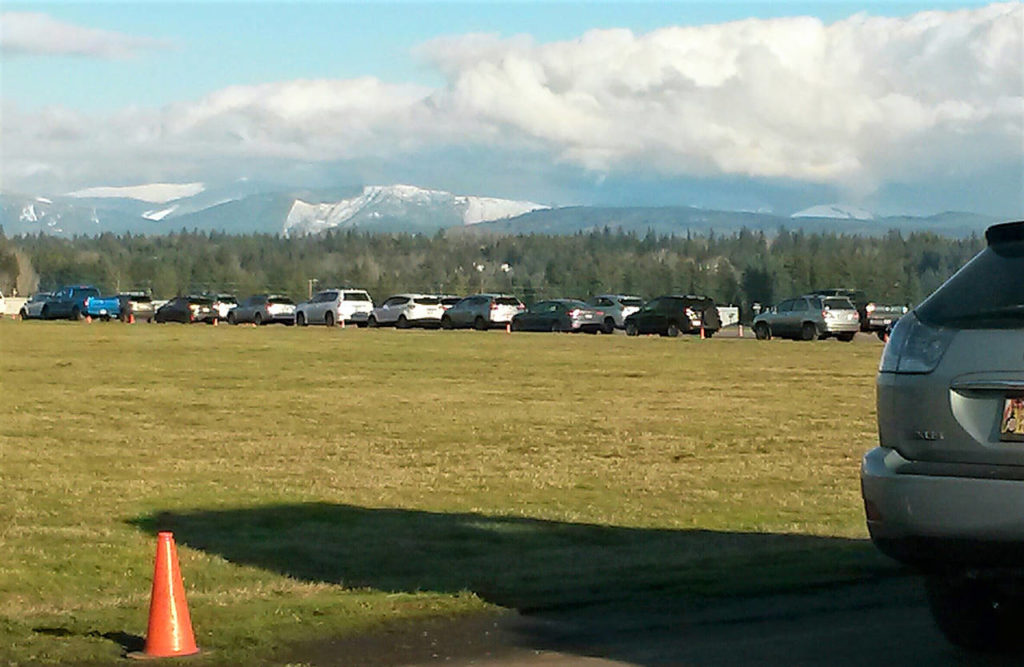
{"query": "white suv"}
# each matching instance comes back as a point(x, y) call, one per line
point(331, 306)
point(406, 310)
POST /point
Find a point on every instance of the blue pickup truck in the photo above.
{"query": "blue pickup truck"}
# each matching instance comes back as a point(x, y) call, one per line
point(76, 302)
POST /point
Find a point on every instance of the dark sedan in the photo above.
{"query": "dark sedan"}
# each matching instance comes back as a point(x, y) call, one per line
point(559, 315)
point(186, 309)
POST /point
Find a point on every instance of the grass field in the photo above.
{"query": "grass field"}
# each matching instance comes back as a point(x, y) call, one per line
point(323, 481)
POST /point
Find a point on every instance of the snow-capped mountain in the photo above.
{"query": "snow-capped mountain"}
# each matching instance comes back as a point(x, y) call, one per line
point(838, 211)
point(401, 208)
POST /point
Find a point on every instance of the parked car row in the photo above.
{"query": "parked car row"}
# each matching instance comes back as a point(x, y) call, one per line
point(817, 315)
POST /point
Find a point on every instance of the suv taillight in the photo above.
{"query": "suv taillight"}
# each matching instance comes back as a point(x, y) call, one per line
point(914, 347)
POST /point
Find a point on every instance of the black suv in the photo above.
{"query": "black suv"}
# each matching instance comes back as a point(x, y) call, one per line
point(674, 314)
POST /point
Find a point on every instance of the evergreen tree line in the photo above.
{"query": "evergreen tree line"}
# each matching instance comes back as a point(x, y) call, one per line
point(742, 269)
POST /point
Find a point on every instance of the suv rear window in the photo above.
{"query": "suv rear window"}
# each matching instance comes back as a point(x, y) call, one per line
point(427, 300)
point(632, 303)
point(987, 293)
point(280, 299)
point(506, 301)
point(356, 296)
point(838, 303)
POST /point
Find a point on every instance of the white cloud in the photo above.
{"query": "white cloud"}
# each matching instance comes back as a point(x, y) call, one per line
point(855, 104)
point(34, 33)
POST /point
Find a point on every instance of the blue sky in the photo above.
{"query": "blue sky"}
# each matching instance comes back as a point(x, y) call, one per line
point(568, 102)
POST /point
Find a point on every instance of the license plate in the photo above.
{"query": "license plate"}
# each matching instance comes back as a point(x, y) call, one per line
point(1011, 426)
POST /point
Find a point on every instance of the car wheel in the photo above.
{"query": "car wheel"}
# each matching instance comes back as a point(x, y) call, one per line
point(300, 319)
point(514, 325)
point(257, 319)
point(672, 330)
point(761, 331)
point(882, 335)
point(372, 322)
point(480, 324)
point(556, 327)
point(76, 314)
point(329, 318)
point(45, 313)
point(231, 318)
point(975, 613)
point(845, 337)
point(402, 323)
point(609, 326)
point(632, 329)
point(446, 323)
point(23, 314)
point(808, 331)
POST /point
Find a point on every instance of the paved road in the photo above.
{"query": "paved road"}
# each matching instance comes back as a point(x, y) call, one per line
point(883, 623)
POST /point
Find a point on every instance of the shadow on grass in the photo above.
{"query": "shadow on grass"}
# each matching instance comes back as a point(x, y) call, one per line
point(601, 578)
point(524, 564)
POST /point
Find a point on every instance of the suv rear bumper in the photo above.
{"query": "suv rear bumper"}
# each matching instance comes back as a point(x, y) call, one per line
point(931, 519)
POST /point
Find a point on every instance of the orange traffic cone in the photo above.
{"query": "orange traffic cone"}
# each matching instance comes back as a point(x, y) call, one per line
point(702, 331)
point(88, 319)
point(169, 634)
point(341, 321)
point(508, 327)
point(215, 321)
point(131, 318)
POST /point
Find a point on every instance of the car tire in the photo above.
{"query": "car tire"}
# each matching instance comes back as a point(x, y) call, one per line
point(23, 314)
point(609, 326)
point(371, 322)
point(76, 314)
point(672, 330)
point(257, 319)
point(329, 318)
point(808, 331)
point(480, 324)
point(632, 329)
point(762, 332)
point(845, 337)
point(514, 325)
point(446, 323)
point(231, 318)
point(881, 335)
point(975, 613)
point(402, 322)
point(45, 313)
point(300, 319)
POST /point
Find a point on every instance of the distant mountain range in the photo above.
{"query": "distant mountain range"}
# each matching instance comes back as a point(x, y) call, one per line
point(246, 207)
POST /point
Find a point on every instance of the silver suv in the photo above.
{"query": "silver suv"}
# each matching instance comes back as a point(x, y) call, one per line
point(482, 311)
point(944, 490)
point(809, 317)
point(334, 306)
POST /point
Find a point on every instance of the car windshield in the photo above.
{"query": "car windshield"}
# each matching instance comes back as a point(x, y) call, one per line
point(987, 293)
point(506, 301)
point(357, 296)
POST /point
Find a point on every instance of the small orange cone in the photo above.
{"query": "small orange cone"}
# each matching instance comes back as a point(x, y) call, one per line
point(215, 321)
point(741, 330)
point(342, 322)
point(508, 327)
point(702, 331)
point(131, 318)
point(88, 319)
point(169, 634)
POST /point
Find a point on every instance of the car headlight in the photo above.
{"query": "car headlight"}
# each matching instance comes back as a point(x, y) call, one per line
point(914, 347)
